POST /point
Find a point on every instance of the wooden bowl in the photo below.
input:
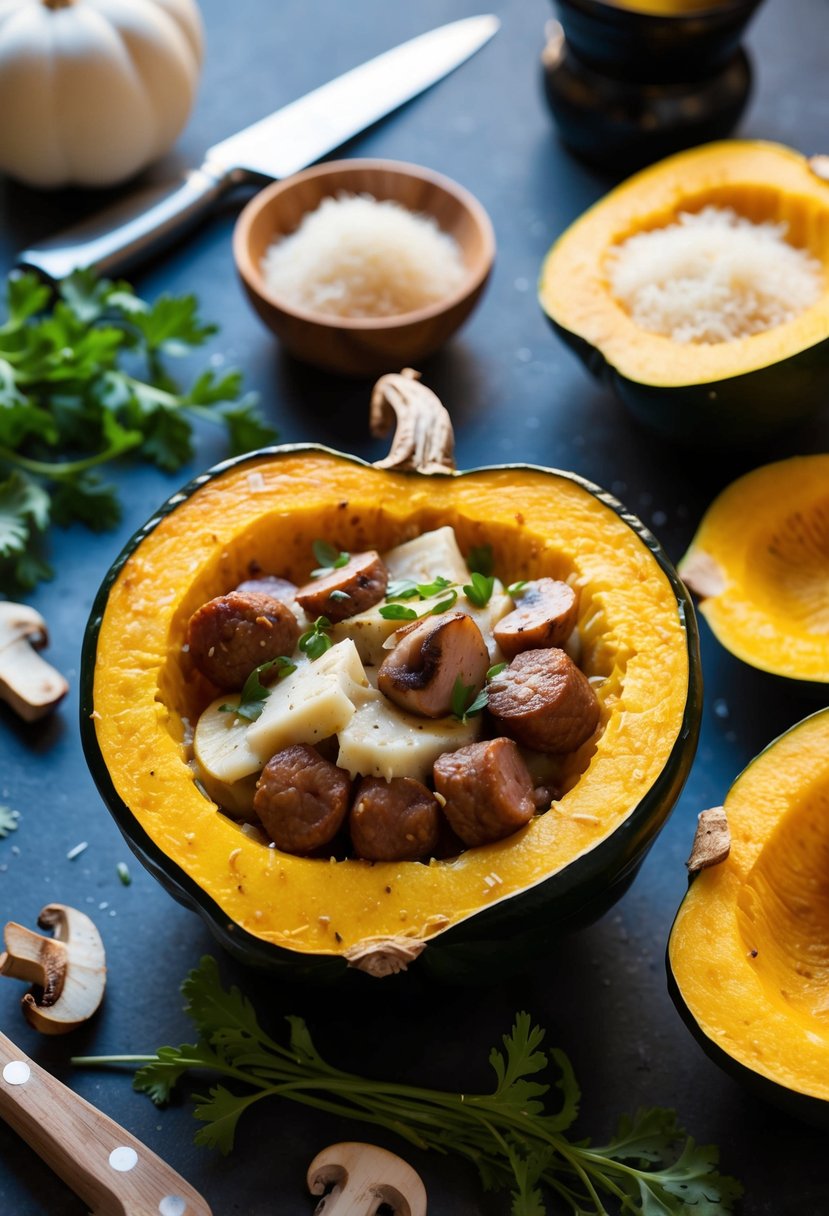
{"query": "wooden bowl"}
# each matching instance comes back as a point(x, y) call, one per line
point(364, 346)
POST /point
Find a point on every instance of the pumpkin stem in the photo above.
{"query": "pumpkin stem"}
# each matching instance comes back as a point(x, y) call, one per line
point(55, 4)
point(424, 439)
point(712, 842)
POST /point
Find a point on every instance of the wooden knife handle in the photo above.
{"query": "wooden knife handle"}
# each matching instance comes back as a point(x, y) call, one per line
point(113, 1172)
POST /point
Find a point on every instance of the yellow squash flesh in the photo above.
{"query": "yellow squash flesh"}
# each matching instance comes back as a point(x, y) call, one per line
point(749, 950)
point(760, 563)
point(761, 182)
point(270, 510)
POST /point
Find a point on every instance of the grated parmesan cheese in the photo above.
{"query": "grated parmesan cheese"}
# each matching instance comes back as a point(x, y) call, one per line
point(712, 277)
point(358, 257)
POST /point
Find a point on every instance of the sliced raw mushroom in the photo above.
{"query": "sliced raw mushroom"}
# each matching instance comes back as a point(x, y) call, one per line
point(545, 616)
point(359, 1179)
point(355, 587)
point(30, 685)
point(544, 701)
point(68, 970)
point(422, 671)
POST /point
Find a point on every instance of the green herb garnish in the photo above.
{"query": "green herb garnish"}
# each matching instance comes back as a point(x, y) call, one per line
point(397, 612)
point(494, 671)
point(516, 588)
point(83, 382)
point(464, 703)
point(329, 558)
point(9, 821)
point(479, 590)
point(427, 590)
point(315, 641)
point(338, 596)
point(650, 1167)
point(401, 589)
point(480, 560)
point(254, 693)
point(442, 605)
point(123, 872)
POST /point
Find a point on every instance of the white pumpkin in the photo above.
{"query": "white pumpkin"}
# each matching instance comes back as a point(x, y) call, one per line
point(91, 91)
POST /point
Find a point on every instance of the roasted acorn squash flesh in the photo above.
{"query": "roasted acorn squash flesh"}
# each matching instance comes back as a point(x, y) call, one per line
point(764, 546)
point(761, 182)
point(271, 510)
point(750, 947)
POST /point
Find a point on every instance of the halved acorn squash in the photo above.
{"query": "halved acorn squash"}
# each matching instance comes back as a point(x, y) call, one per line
point(497, 904)
point(748, 957)
point(723, 392)
point(760, 564)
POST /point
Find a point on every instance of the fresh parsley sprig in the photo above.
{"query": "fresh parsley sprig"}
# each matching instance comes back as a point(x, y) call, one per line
point(254, 693)
point(479, 589)
point(315, 641)
point(9, 821)
point(329, 558)
point(480, 560)
point(649, 1168)
point(464, 703)
point(84, 382)
point(400, 612)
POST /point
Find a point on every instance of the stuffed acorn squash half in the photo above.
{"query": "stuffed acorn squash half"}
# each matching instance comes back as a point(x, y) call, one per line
point(748, 957)
point(463, 909)
point(741, 215)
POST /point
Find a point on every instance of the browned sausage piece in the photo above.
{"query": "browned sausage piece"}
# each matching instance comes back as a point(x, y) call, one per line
point(420, 673)
point(301, 799)
point(397, 820)
point(488, 790)
point(363, 579)
point(234, 633)
point(544, 701)
point(545, 616)
point(269, 584)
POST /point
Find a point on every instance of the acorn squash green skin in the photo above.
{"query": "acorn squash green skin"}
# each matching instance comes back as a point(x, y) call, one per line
point(504, 937)
point(801, 1106)
point(740, 410)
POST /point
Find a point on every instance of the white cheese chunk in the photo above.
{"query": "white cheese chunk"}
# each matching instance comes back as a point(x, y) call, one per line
point(220, 744)
point(315, 701)
point(383, 741)
point(427, 556)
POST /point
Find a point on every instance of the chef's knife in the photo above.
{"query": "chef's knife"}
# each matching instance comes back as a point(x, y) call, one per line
point(275, 147)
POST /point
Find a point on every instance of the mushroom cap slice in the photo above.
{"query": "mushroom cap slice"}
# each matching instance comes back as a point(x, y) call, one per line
point(422, 671)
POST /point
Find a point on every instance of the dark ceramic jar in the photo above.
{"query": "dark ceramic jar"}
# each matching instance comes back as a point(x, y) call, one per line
point(627, 86)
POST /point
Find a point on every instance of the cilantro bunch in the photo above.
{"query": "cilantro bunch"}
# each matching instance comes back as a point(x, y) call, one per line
point(649, 1168)
point(83, 382)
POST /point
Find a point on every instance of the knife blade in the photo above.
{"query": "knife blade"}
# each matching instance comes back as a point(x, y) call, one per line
point(272, 148)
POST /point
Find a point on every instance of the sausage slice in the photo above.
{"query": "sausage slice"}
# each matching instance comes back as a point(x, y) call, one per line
point(397, 820)
point(420, 673)
point(544, 701)
point(231, 634)
point(545, 616)
point(488, 790)
point(301, 799)
point(363, 579)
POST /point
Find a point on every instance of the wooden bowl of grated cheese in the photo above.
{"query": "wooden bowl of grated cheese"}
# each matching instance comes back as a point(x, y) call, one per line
point(364, 266)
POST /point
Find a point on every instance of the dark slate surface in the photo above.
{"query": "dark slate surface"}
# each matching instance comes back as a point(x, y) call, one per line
point(515, 394)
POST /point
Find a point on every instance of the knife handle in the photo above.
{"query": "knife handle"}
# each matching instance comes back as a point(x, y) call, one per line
point(131, 231)
point(109, 1169)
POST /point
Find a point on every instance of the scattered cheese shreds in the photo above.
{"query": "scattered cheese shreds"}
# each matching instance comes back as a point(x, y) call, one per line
point(77, 850)
point(713, 276)
point(359, 257)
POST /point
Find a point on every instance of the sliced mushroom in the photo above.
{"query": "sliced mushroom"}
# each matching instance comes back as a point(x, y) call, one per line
point(422, 671)
point(358, 585)
point(545, 616)
point(68, 970)
point(359, 1179)
point(30, 685)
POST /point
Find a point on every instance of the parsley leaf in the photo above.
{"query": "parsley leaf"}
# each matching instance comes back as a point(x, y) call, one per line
point(329, 559)
point(479, 590)
point(315, 641)
point(8, 821)
point(402, 589)
point(83, 382)
point(516, 1142)
point(516, 588)
point(397, 612)
point(464, 701)
point(480, 560)
point(254, 693)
